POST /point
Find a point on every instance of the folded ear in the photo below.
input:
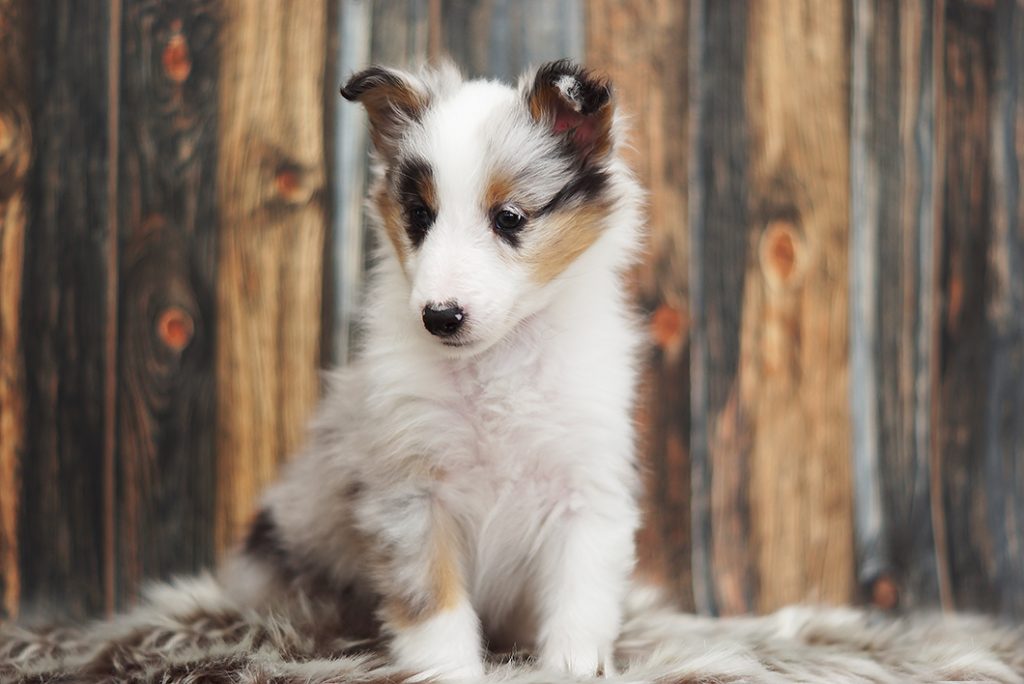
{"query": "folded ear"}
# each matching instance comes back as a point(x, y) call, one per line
point(392, 99)
point(573, 102)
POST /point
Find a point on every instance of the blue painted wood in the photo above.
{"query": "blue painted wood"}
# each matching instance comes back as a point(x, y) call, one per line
point(892, 274)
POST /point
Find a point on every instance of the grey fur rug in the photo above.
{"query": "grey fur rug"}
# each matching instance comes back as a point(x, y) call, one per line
point(190, 633)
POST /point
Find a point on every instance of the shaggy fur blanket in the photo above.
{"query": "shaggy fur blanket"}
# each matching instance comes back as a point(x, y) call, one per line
point(189, 632)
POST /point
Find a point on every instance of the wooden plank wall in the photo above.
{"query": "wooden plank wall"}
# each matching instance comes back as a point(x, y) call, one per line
point(979, 392)
point(167, 250)
point(66, 466)
point(173, 220)
point(1003, 446)
point(892, 259)
point(15, 154)
point(639, 46)
point(833, 285)
point(271, 196)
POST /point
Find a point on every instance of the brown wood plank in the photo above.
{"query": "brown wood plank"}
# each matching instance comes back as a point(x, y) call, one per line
point(270, 178)
point(966, 367)
point(793, 368)
point(982, 332)
point(15, 157)
point(168, 231)
point(719, 222)
point(642, 46)
point(1004, 449)
point(893, 299)
point(66, 299)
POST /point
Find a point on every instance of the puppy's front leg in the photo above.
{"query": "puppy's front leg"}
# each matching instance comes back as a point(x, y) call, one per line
point(585, 573)
point(417, 565)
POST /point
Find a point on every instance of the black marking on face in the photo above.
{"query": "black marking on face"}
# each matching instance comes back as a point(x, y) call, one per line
point(586, 186)
point(414, 183)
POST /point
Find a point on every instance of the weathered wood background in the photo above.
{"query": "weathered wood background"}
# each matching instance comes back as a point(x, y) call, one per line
point(834, 409)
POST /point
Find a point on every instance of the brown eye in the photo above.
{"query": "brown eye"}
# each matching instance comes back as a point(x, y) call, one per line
point(508, 221)
point(419, 218)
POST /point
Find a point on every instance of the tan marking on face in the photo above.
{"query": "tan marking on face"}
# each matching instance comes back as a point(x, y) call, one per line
point(427, 191)
point(500, 190)
point(394, 223)
point(565, 236)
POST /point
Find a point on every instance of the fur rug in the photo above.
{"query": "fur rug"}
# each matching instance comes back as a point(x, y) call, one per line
point(189, 632)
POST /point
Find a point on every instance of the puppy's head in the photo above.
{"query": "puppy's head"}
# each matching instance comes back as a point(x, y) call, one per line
point(487, 194)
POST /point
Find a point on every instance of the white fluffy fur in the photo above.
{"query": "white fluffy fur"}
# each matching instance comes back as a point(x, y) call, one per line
point(521, 439)
point(192, 632)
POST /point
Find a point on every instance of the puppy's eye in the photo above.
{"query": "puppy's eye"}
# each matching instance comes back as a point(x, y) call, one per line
point(420, 219)
point(508, 221)
point(420, 216)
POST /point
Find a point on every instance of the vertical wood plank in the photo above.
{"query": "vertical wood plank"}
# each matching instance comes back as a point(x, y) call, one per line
point(719, 220)
point(330, 103)
point(1004, 448)
point(794, 358)
point(871, 531)
point(110, 346)
point(270, 178)
point(500, 38)
point(348, 231)
point(893, 298)
point(391, 32)
point(62, 516)
point(981, 390)
point(15, 157)
point(642, 46)
point(400, 32)
point(965, 384)
point(168, 221)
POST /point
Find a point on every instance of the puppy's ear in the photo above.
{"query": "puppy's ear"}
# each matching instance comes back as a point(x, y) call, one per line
point(575, 103)
point(392, 99)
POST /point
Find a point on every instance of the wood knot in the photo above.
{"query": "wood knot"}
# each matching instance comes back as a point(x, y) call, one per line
point(15, 144)
point(780, 253)
point(6, 134)
point(176, 59)
point(668, 327)
point(290, 184)
point(884, 593)
point(175, 328)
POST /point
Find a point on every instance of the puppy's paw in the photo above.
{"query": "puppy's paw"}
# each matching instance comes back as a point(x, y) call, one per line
point(445, 647)
point(577, 656)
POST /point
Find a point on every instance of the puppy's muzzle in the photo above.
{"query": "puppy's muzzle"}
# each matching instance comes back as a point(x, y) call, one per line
point(443, 322)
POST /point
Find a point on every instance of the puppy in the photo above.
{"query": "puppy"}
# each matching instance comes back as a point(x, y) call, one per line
point(474, 468)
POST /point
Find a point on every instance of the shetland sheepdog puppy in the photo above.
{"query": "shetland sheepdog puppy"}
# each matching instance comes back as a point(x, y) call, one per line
point(473, 469)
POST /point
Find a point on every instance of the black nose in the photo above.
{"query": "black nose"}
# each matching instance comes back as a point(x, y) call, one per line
point(443, 322)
